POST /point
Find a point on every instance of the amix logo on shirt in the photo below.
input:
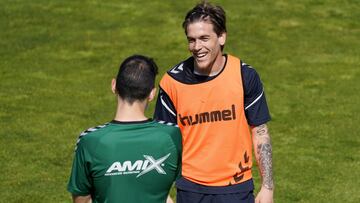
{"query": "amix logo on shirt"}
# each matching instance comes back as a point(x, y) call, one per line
point(213, 116)
point(139, 166)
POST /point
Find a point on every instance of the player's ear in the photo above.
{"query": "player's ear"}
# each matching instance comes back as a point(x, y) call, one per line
point(222, 38)
point(152, 94)
point(113, 85)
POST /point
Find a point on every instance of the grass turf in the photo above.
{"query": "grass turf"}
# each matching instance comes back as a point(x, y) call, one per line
point(57, 59)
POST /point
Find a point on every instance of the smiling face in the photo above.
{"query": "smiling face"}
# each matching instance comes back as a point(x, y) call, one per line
point(205, 46)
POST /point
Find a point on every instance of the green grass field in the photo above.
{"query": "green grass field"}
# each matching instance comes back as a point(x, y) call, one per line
point(57, 59)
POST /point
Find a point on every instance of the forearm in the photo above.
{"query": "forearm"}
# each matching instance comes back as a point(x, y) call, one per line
point(263, 154)
point(169, 200)
point(82, 199)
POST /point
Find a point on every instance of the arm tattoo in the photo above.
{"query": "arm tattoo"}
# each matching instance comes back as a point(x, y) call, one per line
point(264, 152)
point(261, 130)
point(265, 164)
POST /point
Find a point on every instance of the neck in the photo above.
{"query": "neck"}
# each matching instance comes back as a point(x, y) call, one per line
point(130, 112)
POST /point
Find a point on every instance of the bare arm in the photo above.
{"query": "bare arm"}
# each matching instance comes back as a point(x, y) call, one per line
point(169, 200)
point(263, 154)
point(82, 199)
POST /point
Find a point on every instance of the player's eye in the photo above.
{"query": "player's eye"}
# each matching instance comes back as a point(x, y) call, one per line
point(204, 39)
point(191, 40)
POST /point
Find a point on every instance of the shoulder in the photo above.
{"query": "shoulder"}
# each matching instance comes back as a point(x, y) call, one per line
point(90, 134)
point(93, 130)
point(248, 71)
point(181, 71)
point(251, 79)
point(167, 125)
point(171, 129)
point(181, 68)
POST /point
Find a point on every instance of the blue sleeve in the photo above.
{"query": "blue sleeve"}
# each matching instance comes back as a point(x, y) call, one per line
point(165, 110)
point(256, 109)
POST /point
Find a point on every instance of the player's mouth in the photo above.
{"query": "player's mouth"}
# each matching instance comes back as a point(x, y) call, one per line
point(200, 56)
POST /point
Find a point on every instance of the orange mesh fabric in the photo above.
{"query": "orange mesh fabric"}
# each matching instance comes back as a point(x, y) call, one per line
point(217, 146)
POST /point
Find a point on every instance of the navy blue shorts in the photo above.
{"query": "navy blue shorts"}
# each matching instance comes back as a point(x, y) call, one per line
point(189, 192)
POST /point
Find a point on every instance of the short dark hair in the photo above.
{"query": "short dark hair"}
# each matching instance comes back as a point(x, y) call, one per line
point(204, 11)
point(136, 78)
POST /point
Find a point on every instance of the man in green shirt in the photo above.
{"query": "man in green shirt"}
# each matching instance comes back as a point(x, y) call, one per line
point(132, 158)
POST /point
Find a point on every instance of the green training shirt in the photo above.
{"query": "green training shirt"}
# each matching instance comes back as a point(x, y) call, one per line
point(127, 162)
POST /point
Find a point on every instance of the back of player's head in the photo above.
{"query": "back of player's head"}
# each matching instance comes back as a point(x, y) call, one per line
point(136, 78)
point(207, 12)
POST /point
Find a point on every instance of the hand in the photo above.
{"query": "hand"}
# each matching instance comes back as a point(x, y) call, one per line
point(265, 196)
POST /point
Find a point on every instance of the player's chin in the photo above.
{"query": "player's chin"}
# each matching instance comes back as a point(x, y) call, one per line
point(201, 64)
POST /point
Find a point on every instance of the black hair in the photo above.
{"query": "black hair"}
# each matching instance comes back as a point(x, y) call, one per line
point(205, 11)
point(136, 78)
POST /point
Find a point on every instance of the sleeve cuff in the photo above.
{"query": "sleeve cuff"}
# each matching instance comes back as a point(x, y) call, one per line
point(259, 122)
point(77, 192)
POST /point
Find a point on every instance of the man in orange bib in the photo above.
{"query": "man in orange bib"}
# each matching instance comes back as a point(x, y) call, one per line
point(219, 103)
